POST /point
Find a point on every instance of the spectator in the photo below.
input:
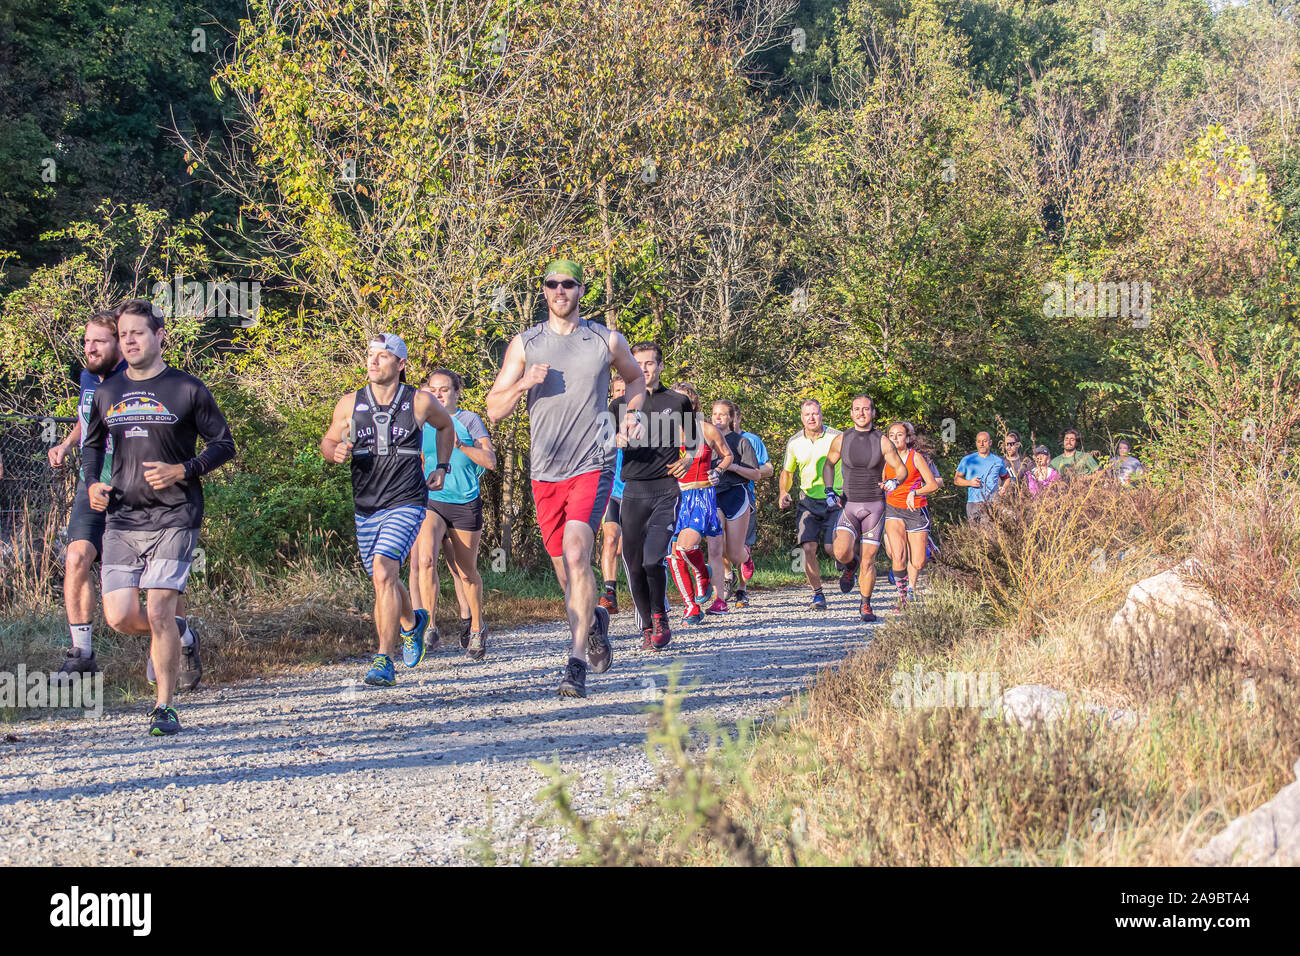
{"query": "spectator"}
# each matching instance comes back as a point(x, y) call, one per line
point(1017, 463)
point(981, 473)
point(1042, 474)
point(1124, 464)
point(1072, 462)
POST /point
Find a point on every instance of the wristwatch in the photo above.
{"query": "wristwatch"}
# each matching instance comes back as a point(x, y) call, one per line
point(444, 465)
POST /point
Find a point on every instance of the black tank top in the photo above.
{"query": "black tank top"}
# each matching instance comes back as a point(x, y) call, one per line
point(386, 465)
point(864, 463)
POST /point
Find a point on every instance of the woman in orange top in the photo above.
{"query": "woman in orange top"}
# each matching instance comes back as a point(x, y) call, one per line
point(907, 517)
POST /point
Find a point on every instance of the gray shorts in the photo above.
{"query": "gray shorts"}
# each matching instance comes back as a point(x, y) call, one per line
point(147, 559)
point(977, 511)
point(814, 520)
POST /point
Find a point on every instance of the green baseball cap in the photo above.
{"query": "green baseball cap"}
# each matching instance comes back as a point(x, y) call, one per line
point(564, 267)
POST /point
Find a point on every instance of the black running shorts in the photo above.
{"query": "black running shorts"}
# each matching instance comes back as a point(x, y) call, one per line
point(463, 517)
point(734, 502)
point(85, 523)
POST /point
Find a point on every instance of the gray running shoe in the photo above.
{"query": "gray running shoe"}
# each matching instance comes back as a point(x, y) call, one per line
point(477, 646)
point(600, 654)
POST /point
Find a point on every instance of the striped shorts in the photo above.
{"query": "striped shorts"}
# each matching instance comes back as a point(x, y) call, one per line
point(390, 532)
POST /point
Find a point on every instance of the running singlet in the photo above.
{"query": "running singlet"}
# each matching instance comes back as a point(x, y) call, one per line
point(156, 419)
point(386, 469)
point(460, 486)
point(898, 497)
point(864, 464)
point(89, 382)
point(697, 473)
point(742, 453)
point(569, 431)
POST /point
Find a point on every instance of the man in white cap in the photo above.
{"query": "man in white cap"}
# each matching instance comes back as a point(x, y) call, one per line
point(562, 366)
point(380, 427)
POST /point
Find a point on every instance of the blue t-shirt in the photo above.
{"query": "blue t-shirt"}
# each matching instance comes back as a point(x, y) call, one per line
point(618, 477)
point(461, 484)
point(760, 455)
point(89, 382)
point(989, 469)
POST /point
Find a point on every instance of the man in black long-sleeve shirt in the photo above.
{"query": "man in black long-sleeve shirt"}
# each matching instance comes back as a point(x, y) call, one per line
point(154, 500)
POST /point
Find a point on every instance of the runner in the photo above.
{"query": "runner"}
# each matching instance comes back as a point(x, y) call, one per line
point(650, 493)
point(698, 471)
point(562, 366)
point(865, 451)
point(734, 506)
point(805, 452)
point(153, 500)
point(765, 471)
point(982, 475)
point(611, 532)
point(380, 427)
point(907, 515)
point(1073, 463)
point(454, 515)
point(85, 524)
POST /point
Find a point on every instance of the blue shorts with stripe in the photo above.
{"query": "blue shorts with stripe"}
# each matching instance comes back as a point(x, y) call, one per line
point(698, 511)
point(390, 532)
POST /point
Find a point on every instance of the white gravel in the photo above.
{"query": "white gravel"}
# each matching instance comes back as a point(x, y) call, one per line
point(317, 768)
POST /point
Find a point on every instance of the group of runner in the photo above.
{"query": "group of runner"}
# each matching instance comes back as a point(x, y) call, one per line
point(674, 491)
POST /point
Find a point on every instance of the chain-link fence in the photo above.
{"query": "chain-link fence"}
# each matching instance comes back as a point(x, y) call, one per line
point(30, 488)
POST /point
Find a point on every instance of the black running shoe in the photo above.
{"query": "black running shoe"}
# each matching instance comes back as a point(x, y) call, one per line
point(477, 646)
point(74, 665)
point(600, 653)
point(848, 577)
point(466, 623)
point(191, 665)
point(868, 617)
point(163, 721)
point(575, 679)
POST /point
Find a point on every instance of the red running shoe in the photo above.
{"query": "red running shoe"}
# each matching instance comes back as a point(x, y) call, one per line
point(660, 636)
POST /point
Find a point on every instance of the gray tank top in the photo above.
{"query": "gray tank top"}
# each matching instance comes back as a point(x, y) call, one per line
point(570, 428)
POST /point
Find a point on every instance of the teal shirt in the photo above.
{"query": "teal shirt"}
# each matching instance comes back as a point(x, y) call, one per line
point(461, 484)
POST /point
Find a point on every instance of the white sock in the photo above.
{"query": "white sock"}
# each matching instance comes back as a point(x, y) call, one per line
point(81, 638)
point(187, 636)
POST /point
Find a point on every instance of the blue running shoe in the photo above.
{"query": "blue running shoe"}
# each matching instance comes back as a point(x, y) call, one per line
point(381, 672)
point(891, 578)
point(818, 601)
point(413, 640)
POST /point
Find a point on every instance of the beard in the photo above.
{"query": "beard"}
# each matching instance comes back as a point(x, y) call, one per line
point(104, 364)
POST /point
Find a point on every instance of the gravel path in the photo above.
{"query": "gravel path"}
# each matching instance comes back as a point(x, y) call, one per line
point(317, 768)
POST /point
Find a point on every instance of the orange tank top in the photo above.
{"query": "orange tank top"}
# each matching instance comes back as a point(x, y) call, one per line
point(898, 497)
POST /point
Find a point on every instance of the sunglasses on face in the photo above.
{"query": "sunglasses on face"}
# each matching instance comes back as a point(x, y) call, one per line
point(565, 284)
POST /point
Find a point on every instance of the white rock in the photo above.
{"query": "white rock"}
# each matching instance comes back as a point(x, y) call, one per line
point(1170, 594)
point(1267, 836)
point(1029, 704)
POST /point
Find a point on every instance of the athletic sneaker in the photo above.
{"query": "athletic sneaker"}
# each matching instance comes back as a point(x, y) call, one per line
point(891, 577)
point(575, 679)
point(600, 653)
point(381, 672)
point(660, 635)
point(717, 607)
point(647, 639)
point(413, 640)
point(868, 617)
point(191, 664)
point(477, 646)
point(74, 663)
point(163, 721)
point(818, 601)
point(709, 594)
point(465, 624)
point(847, 578)
point(693, 615)
point(609, 601)
point(742, 599)
point(747, 569)
point(432, 642)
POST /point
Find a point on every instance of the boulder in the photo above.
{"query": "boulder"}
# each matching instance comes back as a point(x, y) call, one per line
point(1172, 594)
point(1030, 704)
point(1267, 836)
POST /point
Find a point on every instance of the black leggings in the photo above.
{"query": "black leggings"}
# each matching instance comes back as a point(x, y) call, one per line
point(647, 529)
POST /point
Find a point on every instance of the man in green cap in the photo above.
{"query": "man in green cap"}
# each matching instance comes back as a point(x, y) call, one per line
point(562, 366)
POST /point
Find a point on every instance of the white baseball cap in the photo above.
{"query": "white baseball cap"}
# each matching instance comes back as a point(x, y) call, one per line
point(387, 341)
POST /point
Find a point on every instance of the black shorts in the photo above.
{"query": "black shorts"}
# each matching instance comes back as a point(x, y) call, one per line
point(467, 516)
point(85, 523)
point(733, 502)
point(816, 521)
point(612, 511)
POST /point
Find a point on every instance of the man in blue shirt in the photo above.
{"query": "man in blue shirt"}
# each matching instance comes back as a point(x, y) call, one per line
point(103, 360)
point(981, 473)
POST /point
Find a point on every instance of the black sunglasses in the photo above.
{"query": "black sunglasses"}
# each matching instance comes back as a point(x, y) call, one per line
point(566, 284)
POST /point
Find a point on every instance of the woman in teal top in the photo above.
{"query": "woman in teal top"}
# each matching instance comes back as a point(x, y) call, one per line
point(454, 516)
